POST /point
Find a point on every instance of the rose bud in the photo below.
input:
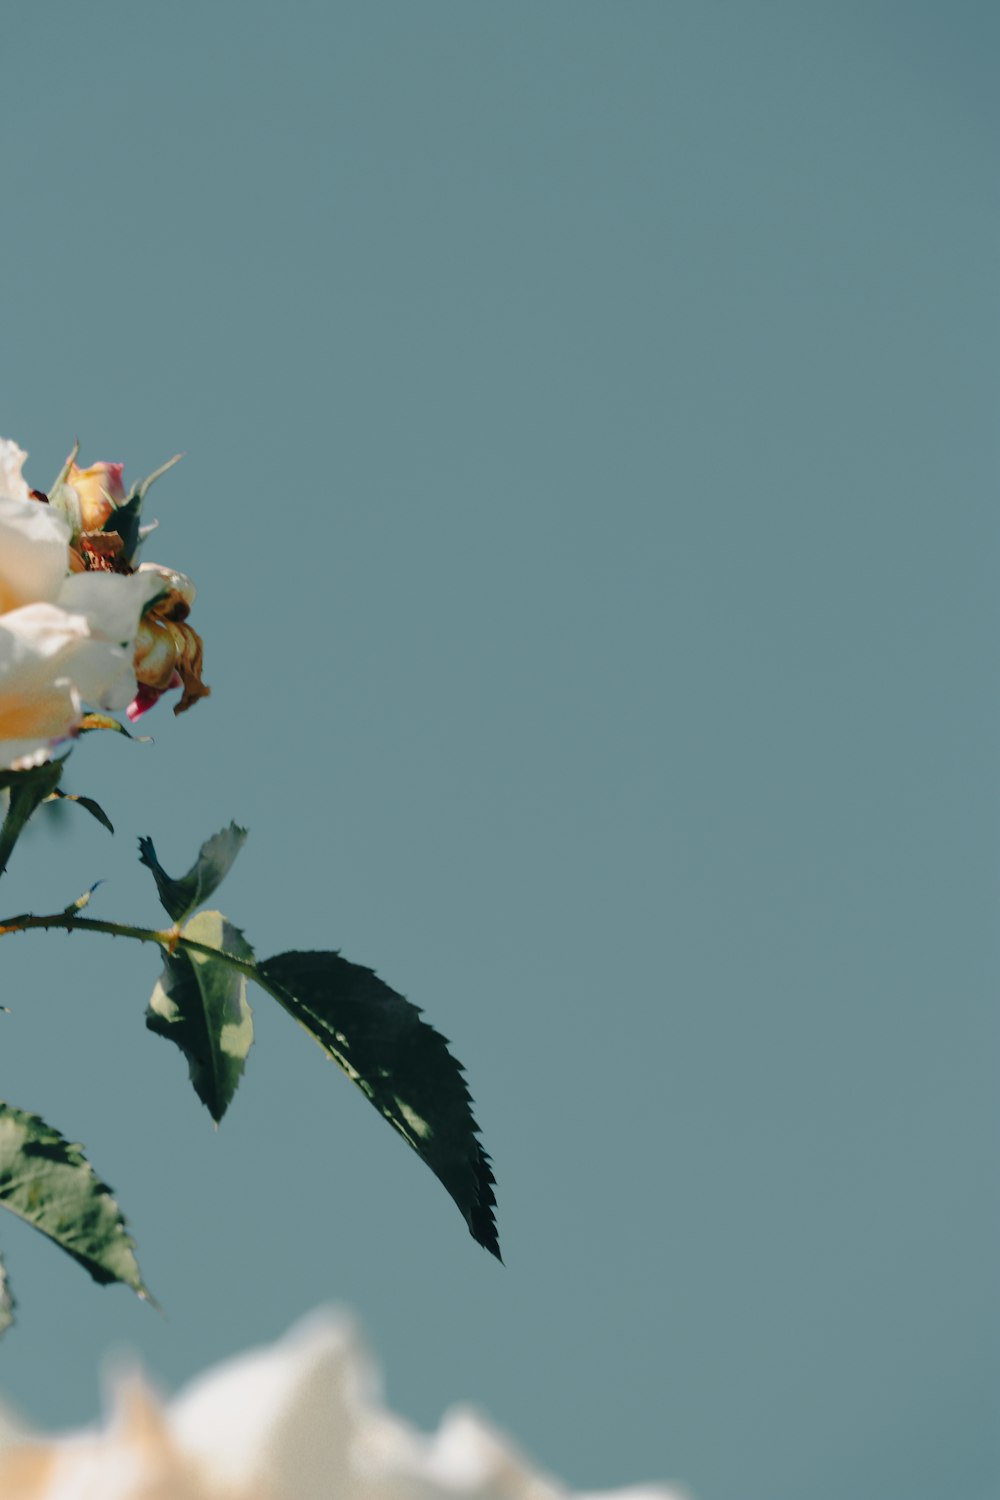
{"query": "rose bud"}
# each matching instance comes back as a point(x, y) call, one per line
point(99, 490)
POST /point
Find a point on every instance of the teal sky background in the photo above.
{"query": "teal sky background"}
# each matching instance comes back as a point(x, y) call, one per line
point(591, 427)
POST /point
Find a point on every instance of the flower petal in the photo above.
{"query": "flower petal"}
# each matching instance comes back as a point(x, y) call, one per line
point(12, 482)
point(39, 701)
point(111, 602)
point(34, 542)
point(54, 660)
point(111, 606)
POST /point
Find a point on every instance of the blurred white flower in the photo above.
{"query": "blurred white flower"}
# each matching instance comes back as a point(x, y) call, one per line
point(302, 1420)
point(65, 641)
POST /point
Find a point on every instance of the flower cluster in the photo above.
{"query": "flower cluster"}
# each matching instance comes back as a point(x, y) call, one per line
point(82, 624)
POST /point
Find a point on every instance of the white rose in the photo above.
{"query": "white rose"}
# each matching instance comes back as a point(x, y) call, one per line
point(301, 1420)
point(66, 642)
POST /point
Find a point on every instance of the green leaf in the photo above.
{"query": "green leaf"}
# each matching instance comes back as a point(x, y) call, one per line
point(27, 789)
point(180, 897)
point(48, 1182)
point(200, 1003)
point(400, 1063)
point(94, 808)
point(7, 1303)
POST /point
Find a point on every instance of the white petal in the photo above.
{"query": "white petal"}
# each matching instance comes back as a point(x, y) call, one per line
point(111, 605)
point(281, 1418)
point(11, 463)
point(39, 701)
point(34, 551)
point(469, 1457)
point(23, 755)
point(303, 1420)
point(53, 661)
point(103, 674)
point(178, 583)
point(111, 602)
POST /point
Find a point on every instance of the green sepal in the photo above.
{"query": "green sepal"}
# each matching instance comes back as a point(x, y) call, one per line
point(48, 1182)
point(146, 484)
point(27, 790)
point(215, 858)
point(200, 1003)
point(402, 1066)
point(126, 519)
point(63, 497)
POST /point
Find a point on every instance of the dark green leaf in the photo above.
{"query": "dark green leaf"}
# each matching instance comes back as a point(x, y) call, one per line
point(400, 1063)
point(94, 808)
point(7, 1303)
point(201, 1004)
point(27, 789)
point(48, 1182)
point(180, 897)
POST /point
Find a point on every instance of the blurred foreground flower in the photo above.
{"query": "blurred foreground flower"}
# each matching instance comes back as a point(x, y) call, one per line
point(301, 1420)
point(65, 640)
